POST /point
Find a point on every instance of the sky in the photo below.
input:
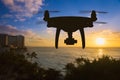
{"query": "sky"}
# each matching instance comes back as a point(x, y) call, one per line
point(20, 17)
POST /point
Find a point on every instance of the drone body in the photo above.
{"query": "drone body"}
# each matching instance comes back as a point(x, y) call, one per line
point(70, 24)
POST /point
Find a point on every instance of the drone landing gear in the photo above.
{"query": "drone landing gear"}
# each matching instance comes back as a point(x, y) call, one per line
point(70, 40)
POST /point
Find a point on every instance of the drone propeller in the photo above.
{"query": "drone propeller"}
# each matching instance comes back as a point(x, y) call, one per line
point(101, 22)
point(87, 11)
point(40, 22)
point(53, 11)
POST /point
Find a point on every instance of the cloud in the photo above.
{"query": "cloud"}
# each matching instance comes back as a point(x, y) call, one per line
point(31, 38)
point(9, 29)
point(7, 16)
point(108, 34)
point(50, 31)
point(23, 8)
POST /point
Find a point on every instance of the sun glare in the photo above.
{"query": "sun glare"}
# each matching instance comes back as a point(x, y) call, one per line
point(100, 41)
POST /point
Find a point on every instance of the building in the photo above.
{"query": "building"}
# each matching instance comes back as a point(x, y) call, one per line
point(3, 40)
point(11, 41)
point(20, 41)
point(16, 41)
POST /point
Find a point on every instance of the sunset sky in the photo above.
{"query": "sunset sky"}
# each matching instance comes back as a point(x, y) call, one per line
point(17, 18)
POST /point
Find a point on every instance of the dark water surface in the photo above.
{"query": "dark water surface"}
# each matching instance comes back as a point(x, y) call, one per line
point(50, 57)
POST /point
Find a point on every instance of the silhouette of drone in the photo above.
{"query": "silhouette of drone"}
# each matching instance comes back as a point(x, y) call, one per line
point(70, 24)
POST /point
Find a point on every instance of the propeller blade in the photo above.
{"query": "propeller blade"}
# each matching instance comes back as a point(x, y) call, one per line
point(87, 11)
point(53, 11)
point(40, 22)
point(101, 12)
point(36, 12)
point(101, 22)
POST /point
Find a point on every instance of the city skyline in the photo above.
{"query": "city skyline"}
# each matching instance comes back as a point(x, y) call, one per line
point(17, 18)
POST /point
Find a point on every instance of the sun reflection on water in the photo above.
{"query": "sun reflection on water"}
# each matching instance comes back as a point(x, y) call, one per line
point(100, 52)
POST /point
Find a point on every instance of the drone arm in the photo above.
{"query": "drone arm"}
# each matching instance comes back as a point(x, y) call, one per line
point(57, 37)
point(93, 16)
point(82, 37)
point(46, 15)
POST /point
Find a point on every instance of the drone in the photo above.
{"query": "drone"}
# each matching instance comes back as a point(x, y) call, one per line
point(70, 24)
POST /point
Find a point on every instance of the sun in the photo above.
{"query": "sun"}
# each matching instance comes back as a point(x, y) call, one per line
point(100, 41)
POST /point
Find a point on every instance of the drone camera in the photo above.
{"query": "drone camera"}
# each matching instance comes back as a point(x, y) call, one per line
point(70, 41)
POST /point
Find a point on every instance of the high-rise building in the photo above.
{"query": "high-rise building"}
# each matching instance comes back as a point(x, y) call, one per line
point(20, 41)
point(3, 40)
point(11, 41)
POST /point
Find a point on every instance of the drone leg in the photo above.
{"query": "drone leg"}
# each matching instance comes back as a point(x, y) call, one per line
point(82, 37)
point(57, 37)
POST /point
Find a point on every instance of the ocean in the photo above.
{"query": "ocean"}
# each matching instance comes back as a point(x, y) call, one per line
point(49, 57)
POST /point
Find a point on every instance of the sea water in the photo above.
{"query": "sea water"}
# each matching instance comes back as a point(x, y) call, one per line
point(49, 57)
